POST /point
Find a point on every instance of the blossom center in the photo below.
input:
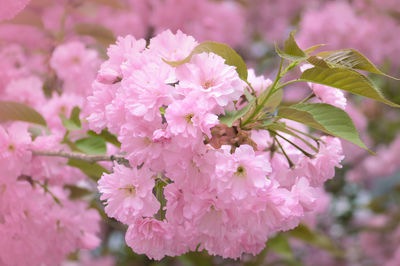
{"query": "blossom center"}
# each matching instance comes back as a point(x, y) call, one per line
point(241, 171)
point(130, 191)
point(11, 147)
point(76, 60)
point(188, 118)
point(209, 83)
point(3, 188)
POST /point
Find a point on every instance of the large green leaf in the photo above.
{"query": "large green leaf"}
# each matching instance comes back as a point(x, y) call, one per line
point(100, 33)
point(92, 170)
point(291, 50)
point(324, 117)
point(92, 145)
point(13, 111)
point(350, 58)
point(345, 79)
point(316, 239)
point(225, 51)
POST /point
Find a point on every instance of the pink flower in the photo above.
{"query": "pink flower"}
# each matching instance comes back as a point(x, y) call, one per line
point(327, 94)
point(188, 118)
point(208, 76)
point(242, 172)
point(75, 65)
point(151, 237)
point(26, 90)
point(259, 83)
point(322, 167)
point(128, 193)
point(14, 149)
point(164, 45)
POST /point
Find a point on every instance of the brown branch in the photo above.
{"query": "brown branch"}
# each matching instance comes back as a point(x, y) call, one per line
point(83, 157)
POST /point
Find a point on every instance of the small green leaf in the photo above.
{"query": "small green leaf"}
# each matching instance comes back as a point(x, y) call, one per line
point(231, 116)
point(107, 136)
point(280, 245)
point(99, 33)
point(311, 49)
point(75, 116)
point(316, 239)
point(73, 123)
point(77, 192)
point(352, 59)
point(248, 95)
point(345, 79)
point(92, 145)
point(35, 132)
point(225, 51)
point(273, 101)
point(324, 117)
point(14, 111)
point(92, 170)
point(291, 50)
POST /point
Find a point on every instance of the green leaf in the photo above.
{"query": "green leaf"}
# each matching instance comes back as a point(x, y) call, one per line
point(280, 245)
point(107, 136)
point(352, 59)
point(75, 116)
point(324, 117)
point(73, 123)
point(318, 61)
point(248, 95)
point(92, 170)
point(92, 145)
point(100, 33)
point(345, 79)
point(35, 132)
point(77, 192)
point(13, 111)
point(291, 50)
point(311, 49)
point(231, 116)
point(316, 239)
point(273, 101)
point(225, 51)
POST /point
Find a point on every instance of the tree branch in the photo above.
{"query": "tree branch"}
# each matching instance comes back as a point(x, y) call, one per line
point(83, 157)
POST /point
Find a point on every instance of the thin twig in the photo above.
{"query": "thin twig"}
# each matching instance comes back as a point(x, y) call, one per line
point(309, 155)
point(82, 157)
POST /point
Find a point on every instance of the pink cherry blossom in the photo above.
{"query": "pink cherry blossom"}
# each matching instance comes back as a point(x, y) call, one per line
point(128, 193)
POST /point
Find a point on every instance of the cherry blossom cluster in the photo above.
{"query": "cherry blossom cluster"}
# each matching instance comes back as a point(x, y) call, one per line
point(35, 211)
point(219, 184)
